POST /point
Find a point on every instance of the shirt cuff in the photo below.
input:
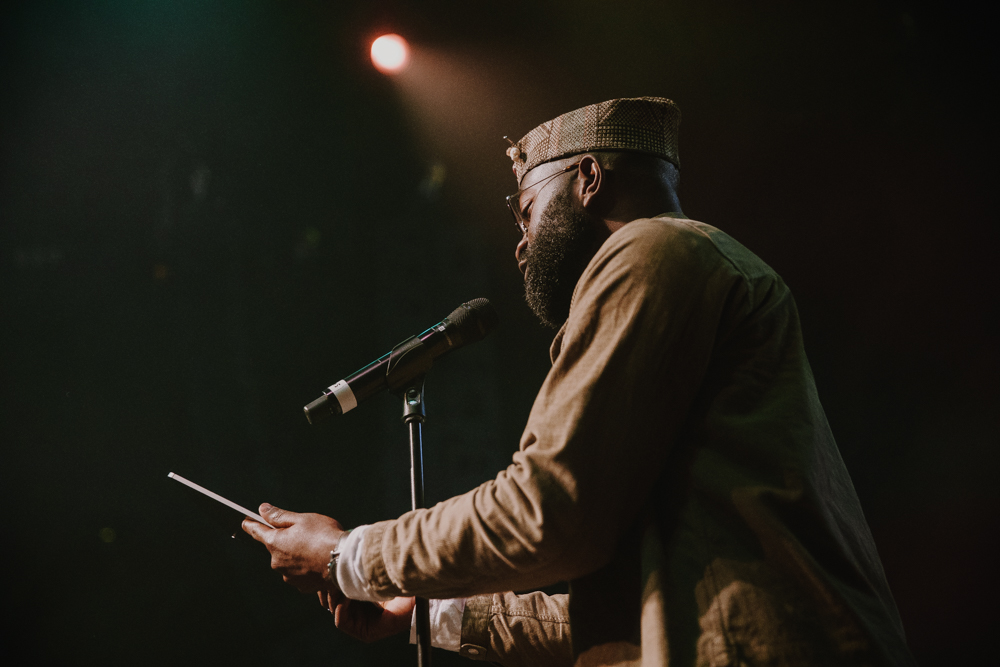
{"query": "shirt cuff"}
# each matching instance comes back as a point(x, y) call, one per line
point(350, 574)
point(445, 615)
point(446, 624)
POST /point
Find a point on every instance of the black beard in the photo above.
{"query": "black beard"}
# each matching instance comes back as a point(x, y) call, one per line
point(556, 258)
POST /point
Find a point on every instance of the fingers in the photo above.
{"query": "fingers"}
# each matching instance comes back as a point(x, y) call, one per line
point(355, 618)
point(277, 517)
point(400, 606)
point(330, 599)
point(255, 529)
point(259, 531)
point(339, 613)
point(369, 621)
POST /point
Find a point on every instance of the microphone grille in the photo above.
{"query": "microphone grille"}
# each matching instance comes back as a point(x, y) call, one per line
point(474, 319)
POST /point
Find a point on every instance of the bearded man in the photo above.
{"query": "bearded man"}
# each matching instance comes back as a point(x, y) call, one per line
point(677, 468)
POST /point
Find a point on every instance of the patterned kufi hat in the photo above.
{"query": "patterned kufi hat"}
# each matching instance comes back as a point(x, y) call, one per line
point(643, 124)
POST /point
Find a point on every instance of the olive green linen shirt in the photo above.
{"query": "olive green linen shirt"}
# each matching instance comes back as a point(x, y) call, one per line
point(678, 470)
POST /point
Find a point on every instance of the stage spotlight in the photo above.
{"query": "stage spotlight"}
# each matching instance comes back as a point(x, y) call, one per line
point(390, 54)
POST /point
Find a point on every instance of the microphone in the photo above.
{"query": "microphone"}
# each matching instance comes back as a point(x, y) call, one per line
point(468, 323)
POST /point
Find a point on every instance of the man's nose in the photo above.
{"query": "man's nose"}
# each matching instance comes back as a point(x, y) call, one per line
point(522, 246)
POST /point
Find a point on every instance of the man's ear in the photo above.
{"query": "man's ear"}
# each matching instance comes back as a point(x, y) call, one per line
point(591, 180)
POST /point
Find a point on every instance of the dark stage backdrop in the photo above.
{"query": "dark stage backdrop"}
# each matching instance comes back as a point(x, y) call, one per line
point(209, 211)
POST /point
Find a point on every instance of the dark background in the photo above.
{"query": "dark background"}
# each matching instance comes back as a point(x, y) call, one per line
point(209, 211)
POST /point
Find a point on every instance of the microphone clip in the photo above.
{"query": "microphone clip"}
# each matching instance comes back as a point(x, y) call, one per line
point(406, 364)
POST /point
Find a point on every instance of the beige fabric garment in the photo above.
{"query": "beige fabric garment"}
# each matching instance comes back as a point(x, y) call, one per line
point(678, 470)
point(518, 630)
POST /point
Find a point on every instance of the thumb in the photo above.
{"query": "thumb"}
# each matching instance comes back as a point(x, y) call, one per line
point(278, 518)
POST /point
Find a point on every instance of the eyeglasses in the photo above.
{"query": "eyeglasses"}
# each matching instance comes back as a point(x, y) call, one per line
point(514, 200)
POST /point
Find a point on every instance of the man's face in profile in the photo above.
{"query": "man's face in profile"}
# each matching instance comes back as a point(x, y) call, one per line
point(561, 244)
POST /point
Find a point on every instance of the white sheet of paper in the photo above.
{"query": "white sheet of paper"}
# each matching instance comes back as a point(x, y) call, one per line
point(215, 496)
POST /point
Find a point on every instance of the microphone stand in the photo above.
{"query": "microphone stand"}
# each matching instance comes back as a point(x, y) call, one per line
point(405, 369)
point(413, 416)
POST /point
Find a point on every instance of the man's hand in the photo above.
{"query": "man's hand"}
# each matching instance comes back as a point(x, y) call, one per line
point(369, 621)
point(300, 545)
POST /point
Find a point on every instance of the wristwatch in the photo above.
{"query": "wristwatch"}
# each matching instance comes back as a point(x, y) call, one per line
point(331, 567)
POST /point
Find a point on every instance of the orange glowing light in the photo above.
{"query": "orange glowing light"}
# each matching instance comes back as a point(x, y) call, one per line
point(390, 54)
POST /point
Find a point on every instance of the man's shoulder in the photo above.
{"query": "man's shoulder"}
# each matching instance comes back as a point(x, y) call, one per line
point(681, 238)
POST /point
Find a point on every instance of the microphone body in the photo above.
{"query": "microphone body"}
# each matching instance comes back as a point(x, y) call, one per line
point(412, 358)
